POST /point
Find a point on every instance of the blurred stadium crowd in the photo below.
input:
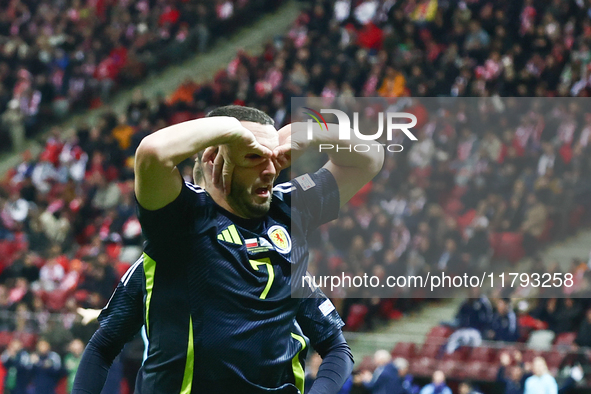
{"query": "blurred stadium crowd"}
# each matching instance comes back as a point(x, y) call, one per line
point(57, 58)
point(461, 196)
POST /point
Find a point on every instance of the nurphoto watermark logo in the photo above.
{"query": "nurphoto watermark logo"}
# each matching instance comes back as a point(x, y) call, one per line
point(392, 125)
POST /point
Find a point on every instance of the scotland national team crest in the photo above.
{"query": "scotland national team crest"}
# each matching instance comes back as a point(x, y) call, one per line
point(280, 239)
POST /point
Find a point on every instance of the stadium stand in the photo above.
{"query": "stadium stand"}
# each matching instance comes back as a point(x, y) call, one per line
point(61, 57)
point(68, 228)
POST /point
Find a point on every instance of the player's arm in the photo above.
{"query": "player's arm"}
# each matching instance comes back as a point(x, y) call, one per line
point(321, 323)
point(336, 367)
point(120, 320)
point(157, 179)
point(351, 169)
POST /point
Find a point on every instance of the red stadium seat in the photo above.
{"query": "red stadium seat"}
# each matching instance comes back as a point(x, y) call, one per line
point(470, 370)
point(5, 338)
point(423, 366)
point(530, 354)
point(508, 246)
point(554, 358)
point(477, 370)
point(356, 317)
point(565, 339)
point(461, 354)
point(489, 372)
point(429, 350)
point(404, 349)
point(482, 354)
point(449, 367)
point(439, 333)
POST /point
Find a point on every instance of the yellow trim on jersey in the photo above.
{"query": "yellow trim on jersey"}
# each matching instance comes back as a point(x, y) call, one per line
point(149, 270)
point(189, 363)
point(296, 365)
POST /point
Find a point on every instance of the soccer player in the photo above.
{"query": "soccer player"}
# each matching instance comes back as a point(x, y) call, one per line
point(219, 260)
point(122, 318)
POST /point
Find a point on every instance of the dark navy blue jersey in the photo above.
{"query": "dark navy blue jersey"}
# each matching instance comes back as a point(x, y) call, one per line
point(220, 286)
point(122, 318)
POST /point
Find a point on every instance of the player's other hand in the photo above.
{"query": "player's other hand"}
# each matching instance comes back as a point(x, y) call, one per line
point(243, 150)
point(292, 144)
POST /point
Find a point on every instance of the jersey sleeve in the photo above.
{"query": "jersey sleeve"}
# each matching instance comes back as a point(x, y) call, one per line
point(318, 317)
point(120, 320)
point(122, 317)
point(315, 197)
point(163, 226)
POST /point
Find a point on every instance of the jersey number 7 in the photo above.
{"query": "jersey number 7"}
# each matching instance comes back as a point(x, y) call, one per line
point(266, 261)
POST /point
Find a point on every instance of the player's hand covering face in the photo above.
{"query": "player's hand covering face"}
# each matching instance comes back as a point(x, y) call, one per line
point(244, 151)
point(245, 171)
point(292, 143)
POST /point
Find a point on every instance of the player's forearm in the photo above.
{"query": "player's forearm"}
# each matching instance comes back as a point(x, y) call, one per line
point(341, 152)
point(370, 161)
point(336, 366)
point(173, 144)
point(95, 363)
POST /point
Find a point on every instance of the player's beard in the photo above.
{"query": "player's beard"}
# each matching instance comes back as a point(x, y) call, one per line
point(242, 201)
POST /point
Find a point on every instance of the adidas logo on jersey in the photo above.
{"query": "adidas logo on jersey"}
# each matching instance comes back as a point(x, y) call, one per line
point(230, 235)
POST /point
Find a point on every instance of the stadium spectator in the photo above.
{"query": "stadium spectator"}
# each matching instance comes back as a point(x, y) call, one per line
point(476, 312)
point(541, 382)
point(583, 338)
point(503, 326)
point(535, 216)
point(437, 385)
point(408, 385)
point(512, 376)
point(385, 378)
point(46, 368)
point(467, 388)
point(429, 52)
point(58, 58)
point(568, 316)
point(17, 362)
point(13, 121)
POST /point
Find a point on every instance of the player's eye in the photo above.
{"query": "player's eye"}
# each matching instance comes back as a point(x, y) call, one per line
point(253, 156)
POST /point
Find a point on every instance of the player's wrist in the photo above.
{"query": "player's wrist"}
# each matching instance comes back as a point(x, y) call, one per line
point(232, 130)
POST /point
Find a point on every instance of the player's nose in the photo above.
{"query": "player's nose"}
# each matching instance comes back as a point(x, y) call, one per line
point(269, 168)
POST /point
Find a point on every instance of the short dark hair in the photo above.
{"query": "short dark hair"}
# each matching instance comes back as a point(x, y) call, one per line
point(245, 114)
